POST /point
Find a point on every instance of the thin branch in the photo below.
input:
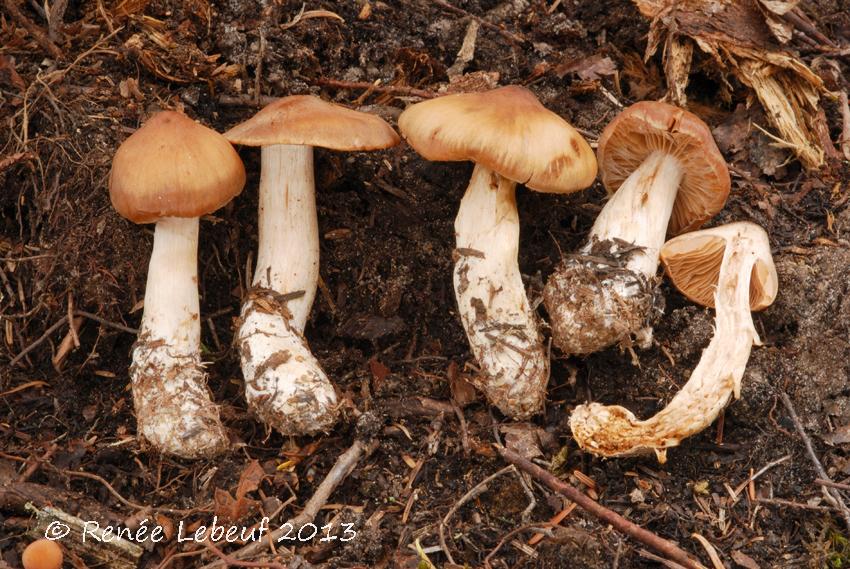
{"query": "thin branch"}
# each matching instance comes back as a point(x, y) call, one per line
point(59, 323)
point(475, 491)
point(832, 484)
point(37, 34)
point(460, 11)
point(761, 471)
point(106, 322)
point(659, 544)
point(229, 561)
point(340, 471)
point(391, 89)
point(540, 529)
point(831, 492)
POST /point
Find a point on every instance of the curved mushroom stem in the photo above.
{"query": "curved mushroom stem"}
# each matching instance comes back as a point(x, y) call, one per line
point(284, 383)
point(491, 298)
point(173, 405)
point(615, 431)
point(605, 294)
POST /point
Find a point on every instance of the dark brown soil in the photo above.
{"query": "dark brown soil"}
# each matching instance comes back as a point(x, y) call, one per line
point(385, 327)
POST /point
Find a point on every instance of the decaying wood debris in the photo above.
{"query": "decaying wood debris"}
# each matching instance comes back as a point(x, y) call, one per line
point(745, 38)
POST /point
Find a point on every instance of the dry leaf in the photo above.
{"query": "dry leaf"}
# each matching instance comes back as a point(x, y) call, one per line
point(839, 436)
point(463, 393)
point(379, 373)
point(231, 509)
point(522, 438)
point(311, 14)
point(588, 69)
point(744, 560)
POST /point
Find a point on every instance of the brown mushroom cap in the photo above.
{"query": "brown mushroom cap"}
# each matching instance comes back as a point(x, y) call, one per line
point(42, 554)
point(692, 261)
point(508, 131)
point(649, 126)
point(173, 167)
point(310, 121)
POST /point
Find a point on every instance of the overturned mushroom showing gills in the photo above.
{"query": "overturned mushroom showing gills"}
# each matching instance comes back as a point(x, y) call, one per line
point(730, 268)
point(170, 172)
point(284, 383)
point(664, 173)
point(511, 138)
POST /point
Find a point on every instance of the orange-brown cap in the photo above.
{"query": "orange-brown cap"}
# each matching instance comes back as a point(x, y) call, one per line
point(692, 261)
point(173, 167)
point(508, 131)
point(310, 121)
point(649, 126)
point(42, 554)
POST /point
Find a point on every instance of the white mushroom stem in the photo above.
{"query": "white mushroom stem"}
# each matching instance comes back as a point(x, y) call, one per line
point(639, 212)
point(615, 431)
point(288, 254)
point(284, 383)
point(493, 306)
point(173, 405)
point(594, 305)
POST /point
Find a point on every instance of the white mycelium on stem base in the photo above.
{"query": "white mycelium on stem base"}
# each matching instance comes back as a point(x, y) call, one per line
point(170, 392)
point(610, 284)
point(284, 382)
point(170, 172)
point(493, 306)
point(511, 137)
point(745, 280)
point(667, 171)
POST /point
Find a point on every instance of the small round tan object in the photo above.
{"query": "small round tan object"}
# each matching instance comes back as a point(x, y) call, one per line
point(42, 554)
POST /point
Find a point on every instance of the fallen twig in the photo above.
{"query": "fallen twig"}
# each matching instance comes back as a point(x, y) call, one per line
point(831, 492)
point(231, 562)
point(761, 471)
point(38, 342)
point(391, 89)
point(845, 124)
point(659, 544)
point(36, 462)
point(59, 324)
point(450, 8)
point(106, 322)
point(9, 160)
point(107, 548)
point(343, 467)
point(475, 491)
point(126, 502)
point(539, 529)
point(36, 33)
point(832, 484)
point(790, 504)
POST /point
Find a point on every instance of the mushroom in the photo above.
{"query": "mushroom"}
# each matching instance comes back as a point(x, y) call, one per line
point(666, 174)
point(170, 172)
point(284, 383)
point(512, 139)
point(42, 554)
point(729, 268)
